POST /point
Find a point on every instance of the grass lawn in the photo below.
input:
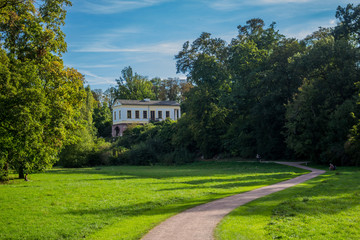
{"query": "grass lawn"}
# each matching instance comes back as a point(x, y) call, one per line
point(121, 202)
point(327, 207)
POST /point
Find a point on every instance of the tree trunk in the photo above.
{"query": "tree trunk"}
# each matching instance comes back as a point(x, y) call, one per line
point(21, 173)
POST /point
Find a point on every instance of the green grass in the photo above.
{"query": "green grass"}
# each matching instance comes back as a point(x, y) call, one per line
point(121, 202)
point(327, 207)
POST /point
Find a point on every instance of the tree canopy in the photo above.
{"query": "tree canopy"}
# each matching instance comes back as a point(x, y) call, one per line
point(39, 96)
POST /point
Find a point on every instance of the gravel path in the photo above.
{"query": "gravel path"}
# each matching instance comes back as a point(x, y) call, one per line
point(198, 223)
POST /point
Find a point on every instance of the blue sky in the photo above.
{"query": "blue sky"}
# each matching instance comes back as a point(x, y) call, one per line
point(105, 36)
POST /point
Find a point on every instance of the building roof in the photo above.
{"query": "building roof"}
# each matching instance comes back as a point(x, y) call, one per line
point(147, 102)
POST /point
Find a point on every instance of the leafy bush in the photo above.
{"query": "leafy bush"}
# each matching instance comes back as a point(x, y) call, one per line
point(101, 154)
point(179, 156)
point(4, 174)
point(151, 144)
point(141, 154)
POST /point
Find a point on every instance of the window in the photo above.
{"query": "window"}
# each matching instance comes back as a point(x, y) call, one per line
point(152, 115)
point(145, 114)
point(120, 114)
point(114, 115)
point(129, 114)
point(159, 114)
point(167, 114)
point(137, 114)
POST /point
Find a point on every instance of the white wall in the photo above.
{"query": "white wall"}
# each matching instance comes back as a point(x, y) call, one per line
point(124, 109)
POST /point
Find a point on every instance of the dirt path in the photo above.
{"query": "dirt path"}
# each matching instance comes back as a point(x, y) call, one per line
point(198, 223)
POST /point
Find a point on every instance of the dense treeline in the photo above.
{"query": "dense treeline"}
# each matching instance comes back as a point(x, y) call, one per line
point(46, 112)
point(261, 93)
point(268, 94)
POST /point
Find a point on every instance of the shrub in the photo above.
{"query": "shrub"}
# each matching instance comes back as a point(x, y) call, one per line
point(141, 154)
point(179, 156)
point(101, 154)
point(4, 171)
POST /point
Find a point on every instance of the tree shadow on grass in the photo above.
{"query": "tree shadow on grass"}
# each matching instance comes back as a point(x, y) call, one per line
point(198, 169)
point(146, 208)
point(327, 194)
point(111, 178)
point(260, 180)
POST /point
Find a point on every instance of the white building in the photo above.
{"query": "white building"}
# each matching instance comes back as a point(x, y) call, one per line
point(127, 112)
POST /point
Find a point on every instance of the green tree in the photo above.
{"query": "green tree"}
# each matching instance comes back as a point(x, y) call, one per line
point(319, 120)
point(349, 27)
point(261, 83)
point(38, 95)
point(156, 85)
point(203, 62)
point(76, 153)
point(133, 86)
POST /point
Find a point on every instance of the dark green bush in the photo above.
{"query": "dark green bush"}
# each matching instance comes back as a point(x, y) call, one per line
point(179, 156)
point(143, 153)
point(151, 144)
point(100, 155)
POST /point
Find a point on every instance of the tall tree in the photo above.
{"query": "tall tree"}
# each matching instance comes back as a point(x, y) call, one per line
point(319, 120)
point(349, 27)
point(203, 62)
point(133, 86)
point(38, 95)
point(102, 116)
point(75, 153)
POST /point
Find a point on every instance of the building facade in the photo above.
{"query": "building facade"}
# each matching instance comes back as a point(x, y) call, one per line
point(127, 112)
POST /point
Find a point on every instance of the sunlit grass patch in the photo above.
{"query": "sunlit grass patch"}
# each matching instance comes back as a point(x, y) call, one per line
point(121, 202)
point(326, 207)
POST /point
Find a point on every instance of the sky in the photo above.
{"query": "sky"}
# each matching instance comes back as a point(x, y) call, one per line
point(105, 36)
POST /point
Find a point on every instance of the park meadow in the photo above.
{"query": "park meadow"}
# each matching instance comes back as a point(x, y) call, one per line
point(124, 202)
point(77, 162)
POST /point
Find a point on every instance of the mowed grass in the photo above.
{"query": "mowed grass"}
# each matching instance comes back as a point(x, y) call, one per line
point(122, 202)
point(327, 207)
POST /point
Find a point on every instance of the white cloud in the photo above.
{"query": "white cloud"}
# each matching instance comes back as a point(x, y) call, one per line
point(97, 66)
point(307, 28)
point(332, 22)
point(114, 6)
point(105, 47)
point(226, 5)
point(94, 79)
point(229, 5)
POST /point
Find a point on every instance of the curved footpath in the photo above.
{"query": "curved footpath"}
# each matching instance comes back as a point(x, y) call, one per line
point(198, 223)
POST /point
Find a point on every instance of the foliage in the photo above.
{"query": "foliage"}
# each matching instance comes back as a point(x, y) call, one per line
point(148, 144)
point(319, 120)
point(87, 149)
point(102, 116)
point(268, 94)
point(38, 95)
point(133, 86)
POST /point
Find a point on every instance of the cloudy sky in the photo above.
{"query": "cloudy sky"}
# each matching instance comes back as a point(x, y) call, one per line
point(105, 36)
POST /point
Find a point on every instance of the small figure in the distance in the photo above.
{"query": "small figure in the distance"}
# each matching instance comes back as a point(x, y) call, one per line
point(258, 157)
point(332, 167)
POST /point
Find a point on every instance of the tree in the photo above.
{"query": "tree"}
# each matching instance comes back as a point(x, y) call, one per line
point(38, 95)
point(133, 86)
point(75, 153)
point(349, 26)
point(102, 117)
point(156, 85)
point(262, 81)
point(203, 62)
point(319, 119)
